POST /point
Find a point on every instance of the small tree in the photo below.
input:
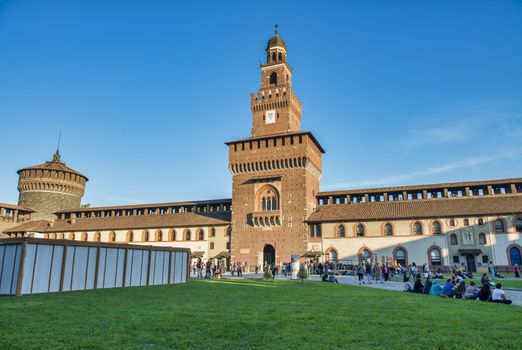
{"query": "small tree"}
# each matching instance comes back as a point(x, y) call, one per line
point(267, 273)
point(302, 273)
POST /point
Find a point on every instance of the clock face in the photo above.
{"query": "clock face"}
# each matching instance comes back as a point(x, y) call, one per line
point(270, 116)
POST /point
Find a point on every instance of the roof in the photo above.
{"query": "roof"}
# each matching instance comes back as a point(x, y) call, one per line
point(151, 205)
point(54, 164)
point(275, 40)
point(422, 187)
point(30, 226)
point(308, 133)
point(128, 222)
point(433, 208)
point(17, 207)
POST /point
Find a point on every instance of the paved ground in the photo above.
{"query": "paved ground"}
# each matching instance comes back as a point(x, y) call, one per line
point(514, 294)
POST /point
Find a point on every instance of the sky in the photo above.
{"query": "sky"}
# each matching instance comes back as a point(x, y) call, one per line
point(147, 92)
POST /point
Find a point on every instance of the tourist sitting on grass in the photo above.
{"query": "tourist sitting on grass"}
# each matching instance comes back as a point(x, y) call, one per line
point(484, 280)
point(472, 292)
point(448, 290)
point(427, 286)
point(484, 292)
point(407, 287)
point(436, 288)
point(418, 287)
point(498, 295)
point(460, 289)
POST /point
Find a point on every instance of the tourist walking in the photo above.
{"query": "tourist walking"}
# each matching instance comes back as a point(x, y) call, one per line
point(385, 272)
point(516, 269)
point(491, 270)
point(360, 273)
point(376, 272)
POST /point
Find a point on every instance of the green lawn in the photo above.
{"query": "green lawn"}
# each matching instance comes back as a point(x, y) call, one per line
point(250, 314)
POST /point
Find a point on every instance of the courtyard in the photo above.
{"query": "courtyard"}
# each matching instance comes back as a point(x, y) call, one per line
point(252, 314)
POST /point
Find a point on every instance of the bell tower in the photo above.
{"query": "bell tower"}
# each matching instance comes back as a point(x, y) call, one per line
point(275, 107)
point(275, 172)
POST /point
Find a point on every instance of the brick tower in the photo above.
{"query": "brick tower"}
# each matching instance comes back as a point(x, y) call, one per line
point(49, 187)
point(275, 172)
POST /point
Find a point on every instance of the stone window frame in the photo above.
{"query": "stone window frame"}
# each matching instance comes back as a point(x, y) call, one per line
point(432, 248)
point(187, 230)
point(394, 254)
point(413, 231)
point(112, 236)
point(432, 228)
point(97, 236)
point(327, 254)
point(340, 227)
point(515, 219)
point(145, 236)
point(172, 235)
point(200, 234)
point(356, 229)
point(129, 237)
point(158, 235)
point(383, 229)
point(454, 240)
point(504, 225)
point(508, 251)
point(482, 238)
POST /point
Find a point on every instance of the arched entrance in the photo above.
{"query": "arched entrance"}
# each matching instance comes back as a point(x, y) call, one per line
point(470, 263)
point(268, 255)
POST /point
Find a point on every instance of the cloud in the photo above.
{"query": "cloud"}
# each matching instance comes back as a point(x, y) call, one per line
point(396, 179)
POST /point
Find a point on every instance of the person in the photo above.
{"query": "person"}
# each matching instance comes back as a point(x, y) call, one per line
point(491, 270)
point(407, 287)
point(368, 268)
point(239, 270)
point(484, 292)
point(447, 289)
point(436, 288)
point(208, 266)
point(385, 270)
point(427, 286)
point(320, 268)
point(498, 295)
point(418, 287)
point(516, 270)
point(257, 269)
point(360, 273)
point(376, 272)
point(472, 292)
point(484, 280)
point(199, 268)
point(460, 289)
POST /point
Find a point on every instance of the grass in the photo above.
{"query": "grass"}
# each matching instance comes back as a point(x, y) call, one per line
point(253, 314)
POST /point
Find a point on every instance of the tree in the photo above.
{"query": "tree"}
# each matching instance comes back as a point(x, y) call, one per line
point(302, 273)
point(267, 273)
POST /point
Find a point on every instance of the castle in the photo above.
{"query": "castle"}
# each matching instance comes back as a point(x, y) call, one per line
point(277, 209)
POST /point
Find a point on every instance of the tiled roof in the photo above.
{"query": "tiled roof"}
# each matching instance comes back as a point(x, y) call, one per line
point(55, 164)
point(31, 226)
point(130, 222)
point(14, 206)
point(422, 187)
point(151, 205)
point(432, 208)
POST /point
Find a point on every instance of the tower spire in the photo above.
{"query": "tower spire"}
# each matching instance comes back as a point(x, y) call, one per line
point(56, 156)
point(276, 31)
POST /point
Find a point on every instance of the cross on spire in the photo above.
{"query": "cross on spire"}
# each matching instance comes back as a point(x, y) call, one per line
point(276, 29)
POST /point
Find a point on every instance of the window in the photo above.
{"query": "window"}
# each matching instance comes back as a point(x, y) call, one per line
point(273, 77)
point(360, 230)
point(315, 230)
point(145, 236)
point(456, 259)
point(228, 245)
point(482, 239)
point(466, 222)
point(435, 257)
point(417, 228)
point(112, 237)
point(211, 245)
point(267, 199)
point(365, 255)
point(452, 222)
point(499, 226)
point(480, 222)
point(84, 236)
point(159, 236)
point(212, 232)
point(173, 235)
point(388, 229)
point(72, 236)
point(201, 235)
point(97, 237)
point(400, 257)
point(130, 236)
point(332, 256)
point(187, 235)
point(514, 254)
point(518, 225)
point(341, 231)
point(453, 239)
point(435, 228)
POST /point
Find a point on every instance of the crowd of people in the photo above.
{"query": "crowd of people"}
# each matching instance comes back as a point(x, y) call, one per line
point(455, 287)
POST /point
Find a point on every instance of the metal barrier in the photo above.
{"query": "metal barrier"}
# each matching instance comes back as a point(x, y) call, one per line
point(32, 265)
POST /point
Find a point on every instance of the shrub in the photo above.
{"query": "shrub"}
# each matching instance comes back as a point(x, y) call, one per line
point(267, 273)
point(302, 273)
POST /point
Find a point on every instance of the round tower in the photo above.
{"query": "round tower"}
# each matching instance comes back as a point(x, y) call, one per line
point(50, 187)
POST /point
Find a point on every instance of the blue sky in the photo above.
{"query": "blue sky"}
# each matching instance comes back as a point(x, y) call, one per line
point(147, 92)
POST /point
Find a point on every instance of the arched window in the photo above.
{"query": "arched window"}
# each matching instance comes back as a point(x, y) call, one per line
point(72, 236)
point(172, 236)
point(145, 236)
point(112, 237)
point(388, 229)
point(212, 232)
point(267, 198)
point(480, 221)
point(341, 231)
point(435, 257)
point(187, 235)
point(435, 228)
point(159, 236)
point(499, 226)
point(84, 236)
point(280, 56)
point(482, 239)
point(130, 236)
point(453, 239)
point(466, 222)
point(201, 235)
point(452, 222)
point(417, 228)
point(400, 257)
point(273, 56)
point(97, 237)
point(360, 230)
point(514, 254)
point(332, 256)
point(60, 236)
point(273, 77)
point(518, 225)
point(365, 255)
